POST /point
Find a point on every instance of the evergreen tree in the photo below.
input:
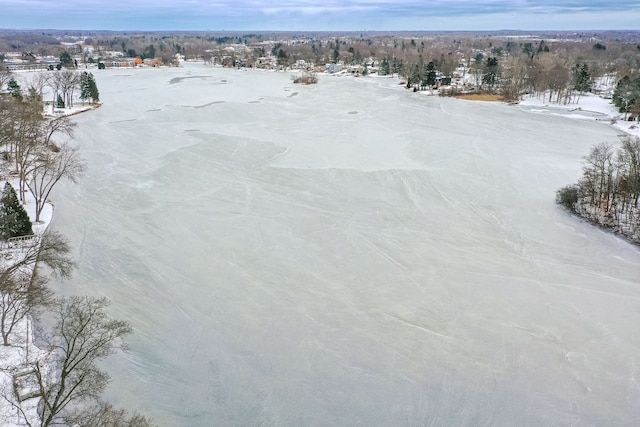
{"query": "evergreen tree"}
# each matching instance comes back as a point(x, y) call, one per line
point(335, 57)
point(582, 78)
point(542, 47)
point(14, 89)
point(626, 95)
point(34, 96)
point(14, 220)
point(491, 71)
point(59, 102)
point(429, 75)
point(84, 86)
point(149, 52)
point(93, 88)
point(283, 59)
point(66, 59)
point(385, 69)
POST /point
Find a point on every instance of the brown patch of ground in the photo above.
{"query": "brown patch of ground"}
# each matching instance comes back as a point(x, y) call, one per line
point(481, 97)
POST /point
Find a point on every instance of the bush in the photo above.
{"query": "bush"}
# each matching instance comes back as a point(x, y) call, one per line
point(306, 78)
point(568, 197)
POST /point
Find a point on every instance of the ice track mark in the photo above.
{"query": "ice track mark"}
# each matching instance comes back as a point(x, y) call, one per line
point(422, 328)
point(383, 253)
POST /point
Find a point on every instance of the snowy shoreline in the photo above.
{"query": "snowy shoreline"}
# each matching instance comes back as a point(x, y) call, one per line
point(23, 351)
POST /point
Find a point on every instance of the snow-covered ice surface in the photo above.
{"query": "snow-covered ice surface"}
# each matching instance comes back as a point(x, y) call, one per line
point(347, 253)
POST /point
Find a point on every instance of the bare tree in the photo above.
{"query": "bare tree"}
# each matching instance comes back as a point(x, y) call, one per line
point(49, 166)
point(25, 133)
point(51, 250)
point(82, 335)
point(5, 76)
point(23, 291)
point(513, 79)
point(20, 124)
point(103, 414)
point(609, 190)
point(20, 297)
point(598, 168)
point(628, 165)
point(64, 82)
point(38, 81)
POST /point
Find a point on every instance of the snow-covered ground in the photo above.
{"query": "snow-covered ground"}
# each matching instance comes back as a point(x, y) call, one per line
point(586, 107)
point(14, 359)
point(347, 253)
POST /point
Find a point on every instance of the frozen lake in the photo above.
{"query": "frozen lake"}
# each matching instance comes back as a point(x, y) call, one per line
point(345, 254)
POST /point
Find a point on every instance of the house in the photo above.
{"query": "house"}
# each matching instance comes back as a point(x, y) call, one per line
point(151, 62)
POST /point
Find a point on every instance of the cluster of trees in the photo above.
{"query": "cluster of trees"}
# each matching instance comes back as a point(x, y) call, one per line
point(506, 71)
point(609, 190)
point(63, 85)
point(88, 88)
point(66, 379)
point(30, 150)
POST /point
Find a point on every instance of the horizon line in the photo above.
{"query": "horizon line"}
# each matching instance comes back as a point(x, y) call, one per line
point(324, 30)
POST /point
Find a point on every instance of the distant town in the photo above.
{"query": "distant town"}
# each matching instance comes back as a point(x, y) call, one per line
point(507, 63)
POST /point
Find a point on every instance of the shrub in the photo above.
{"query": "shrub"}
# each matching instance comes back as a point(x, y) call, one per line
point(568, 197)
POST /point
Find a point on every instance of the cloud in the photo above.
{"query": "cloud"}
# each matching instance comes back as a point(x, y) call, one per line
point(305, 14)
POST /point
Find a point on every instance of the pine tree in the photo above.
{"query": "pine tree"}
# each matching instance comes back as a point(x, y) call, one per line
point(14, 89)
point(582, 78)
point(93, 88)
point(429, 75)
point(14, 220)
point(626, 95)
point(85, 93)
point(385, 69)
point(66, 59)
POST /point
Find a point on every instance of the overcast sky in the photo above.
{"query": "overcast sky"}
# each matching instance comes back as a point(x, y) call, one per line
point(352, 15)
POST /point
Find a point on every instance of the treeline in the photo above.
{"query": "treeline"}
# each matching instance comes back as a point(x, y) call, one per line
point(64, 380)
point(509, 69)
point(559, 70)
point(609, 190)
point(64, 85)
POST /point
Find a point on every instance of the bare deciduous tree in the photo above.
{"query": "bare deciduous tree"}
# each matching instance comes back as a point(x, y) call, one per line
point(48, 167)
point(26, 134)
point(5, 76)
point(51, 249)
point(82, 335)
point(64, 82)
point(20, 297)
point(38, 81)
point(22, 290)
point(104, 414)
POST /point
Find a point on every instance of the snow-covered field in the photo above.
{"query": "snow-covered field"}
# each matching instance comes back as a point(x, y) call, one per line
point(348, 253)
